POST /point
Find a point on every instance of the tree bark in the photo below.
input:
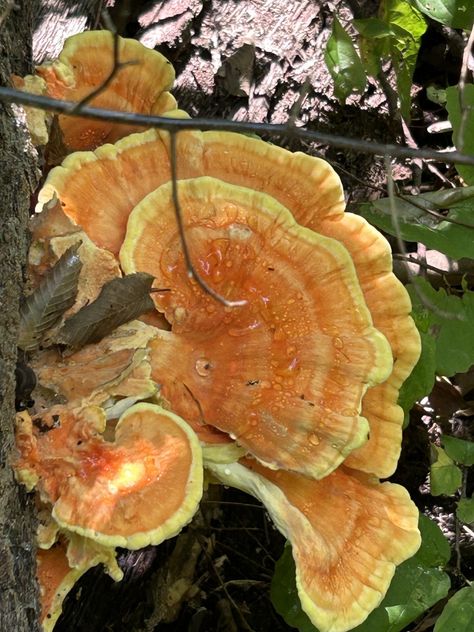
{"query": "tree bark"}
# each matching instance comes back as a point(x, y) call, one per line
point(18, 178)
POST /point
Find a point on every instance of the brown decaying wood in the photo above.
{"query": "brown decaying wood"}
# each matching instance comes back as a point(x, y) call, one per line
point(18, 178)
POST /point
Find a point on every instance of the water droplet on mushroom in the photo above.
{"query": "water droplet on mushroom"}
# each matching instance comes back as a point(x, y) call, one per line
point(203, 367)
point(179, 314)
point(337, 342)
point(349, 412)
point(239, 232)
point(314, 439)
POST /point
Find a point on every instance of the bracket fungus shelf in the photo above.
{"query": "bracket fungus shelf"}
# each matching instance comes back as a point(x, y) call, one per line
point(292, 396)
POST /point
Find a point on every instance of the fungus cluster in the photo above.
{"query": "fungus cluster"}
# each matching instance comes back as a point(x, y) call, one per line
point(290, 396)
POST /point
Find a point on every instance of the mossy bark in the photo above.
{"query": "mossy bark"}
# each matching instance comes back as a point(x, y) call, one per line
point(18, 176)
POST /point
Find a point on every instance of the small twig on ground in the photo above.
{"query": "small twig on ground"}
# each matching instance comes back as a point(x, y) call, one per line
point(243, 622)
point(182, 234)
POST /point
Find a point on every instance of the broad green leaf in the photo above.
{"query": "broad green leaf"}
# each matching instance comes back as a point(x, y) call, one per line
point(458, 613)
point(44, 307)
point(452, 324)
point(284, 594)
point(459, 450)
point(415, 587)
point(407, 26)
point(394, 35)
point(415, 223)
point(119, 301)
point(458, 14)
point(465, 510)
point(445, 477)
point(435, 549)
point(372, 28)
point(343, 63)
point(422, 378)
point(463, 126)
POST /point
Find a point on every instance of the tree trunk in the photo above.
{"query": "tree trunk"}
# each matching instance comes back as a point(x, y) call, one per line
point(18, 178)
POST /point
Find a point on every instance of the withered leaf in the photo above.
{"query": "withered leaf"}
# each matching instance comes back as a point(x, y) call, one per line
point(45, 306)
point(119, 301)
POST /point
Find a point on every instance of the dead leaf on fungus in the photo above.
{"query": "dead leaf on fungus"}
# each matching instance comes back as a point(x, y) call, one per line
point(44, 307)
point(119, 301)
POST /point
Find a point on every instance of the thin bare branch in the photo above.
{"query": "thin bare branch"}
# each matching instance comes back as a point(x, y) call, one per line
point(393, 211)
point(116, 66)
point(12, 95)
point(430, 211)
point(192, 273)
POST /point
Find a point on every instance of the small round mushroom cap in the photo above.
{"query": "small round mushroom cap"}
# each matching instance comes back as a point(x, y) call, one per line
point(284, 374)
point(348, 533)
point(140, 489)
point(84, 65)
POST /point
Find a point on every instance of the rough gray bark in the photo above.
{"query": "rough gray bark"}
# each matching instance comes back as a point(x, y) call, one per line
point(18, 592)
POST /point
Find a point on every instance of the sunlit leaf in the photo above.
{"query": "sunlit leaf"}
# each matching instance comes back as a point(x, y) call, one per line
point(414, 223)
point(44, 307)
point(422, 378)
point(416, 586)
point(458, 614)
point(284, 594)
point(451, 323)
point(458, 14)
point(465, 510)
point(463, 124)
point(119, 301)
point(407, 25)
point(343, 63)
point(435, 550)
point(459, 450)
point(445, 476)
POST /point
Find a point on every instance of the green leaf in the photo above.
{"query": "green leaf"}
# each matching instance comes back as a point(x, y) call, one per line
point(416, 586)
point(458, 613)
point(415, 223)
point(344, 63)
point(459, 450)
point(452, 324)
point(284, 594)
point(44, 307)
point(435, 549)
point(372, 28)
point(445, 477)
point(463, 126)
point(465, 510)
point(407, 25)
point(458, 14)
point(119, 301)
point(422, 378)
